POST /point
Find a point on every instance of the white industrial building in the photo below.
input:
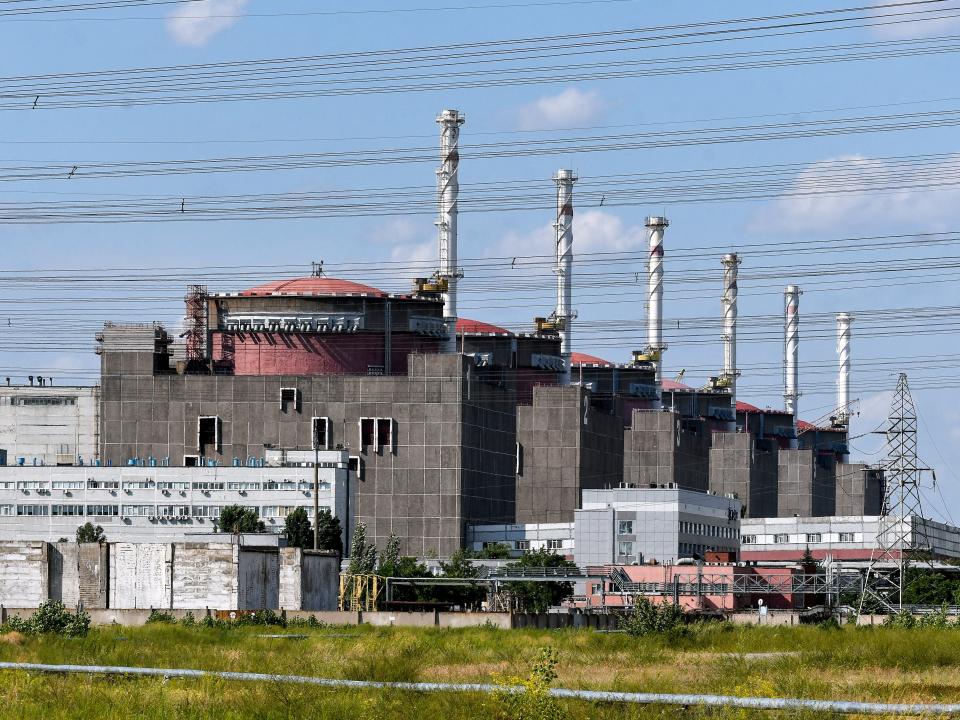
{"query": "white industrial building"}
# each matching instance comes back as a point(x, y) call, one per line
point(166, 504)
point(627, 526)
point(47, 425)
point(841, 538)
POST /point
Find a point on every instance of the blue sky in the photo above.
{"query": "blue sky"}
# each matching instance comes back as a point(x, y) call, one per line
point(225, 30)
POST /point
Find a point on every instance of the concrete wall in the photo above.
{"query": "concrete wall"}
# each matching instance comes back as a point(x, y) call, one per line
point(140, 575)
point(567, 446)
point(746, 467)
point(859, 489)
point(23, 574)
point(49, 425)
point(205, 575)
point(663, 447)
point(258, 579)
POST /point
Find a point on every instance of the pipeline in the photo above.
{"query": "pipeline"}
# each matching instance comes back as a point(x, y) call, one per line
point(754, 703)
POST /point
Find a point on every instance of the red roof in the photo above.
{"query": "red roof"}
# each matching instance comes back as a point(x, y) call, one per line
point(465, 325)
point(747, 407)
point(313, 286)
point(584, 359)
point(672, 385)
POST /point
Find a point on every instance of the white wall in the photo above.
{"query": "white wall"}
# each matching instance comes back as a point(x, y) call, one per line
point(49, 425)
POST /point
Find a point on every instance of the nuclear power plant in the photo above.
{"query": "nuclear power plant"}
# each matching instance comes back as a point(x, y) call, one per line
point(427, 425)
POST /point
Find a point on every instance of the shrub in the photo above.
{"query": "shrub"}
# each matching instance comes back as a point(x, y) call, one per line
point(649, 618)
point(53, 618)
point(529, 698)
point(159, 616)
point(90, 533)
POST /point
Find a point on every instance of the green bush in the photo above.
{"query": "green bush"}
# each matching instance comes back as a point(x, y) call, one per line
point(53, 618)
point(159, 616)
point(648, 618)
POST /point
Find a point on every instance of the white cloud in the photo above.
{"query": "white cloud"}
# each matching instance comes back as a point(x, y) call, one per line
point(569, 108)
point(811, 206)
point(593, 231)
point(197, 22)
point(895, 29)
point(420, 256)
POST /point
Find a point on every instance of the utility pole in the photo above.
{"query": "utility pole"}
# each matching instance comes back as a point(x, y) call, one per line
point(316, 486)
point(901, 527)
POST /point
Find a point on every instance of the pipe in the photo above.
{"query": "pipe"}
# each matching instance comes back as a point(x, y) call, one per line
point(730, 263)
point(564, 269)
point(791, 349)
point(655, 227)
point(756, 703)
point(448, 190)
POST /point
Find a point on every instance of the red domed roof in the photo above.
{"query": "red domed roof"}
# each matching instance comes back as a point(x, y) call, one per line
point(747, 407)
point(313, 285)
point(465, 325)
point(673, 385)
point(578, 358)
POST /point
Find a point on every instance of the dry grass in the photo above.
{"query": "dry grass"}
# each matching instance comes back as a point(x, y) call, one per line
point(867, 664)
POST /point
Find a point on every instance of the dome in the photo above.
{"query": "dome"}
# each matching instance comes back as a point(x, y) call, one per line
point(312, 286)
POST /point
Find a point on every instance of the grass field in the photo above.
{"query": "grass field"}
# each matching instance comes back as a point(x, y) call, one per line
point(878, 664)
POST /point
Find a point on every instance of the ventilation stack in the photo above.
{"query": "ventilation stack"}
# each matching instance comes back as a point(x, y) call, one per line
point(448, 190)
point(563, 315)
point(728, 379)
point(844, 321)
point(791, 350)
point(655, 346)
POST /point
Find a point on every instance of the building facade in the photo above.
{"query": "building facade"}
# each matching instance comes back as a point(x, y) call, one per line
point(49, 425)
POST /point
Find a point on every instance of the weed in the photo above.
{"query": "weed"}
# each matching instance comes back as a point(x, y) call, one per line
point(529, 698)
point(648, 618)
point(53, 618)
point(158, 616)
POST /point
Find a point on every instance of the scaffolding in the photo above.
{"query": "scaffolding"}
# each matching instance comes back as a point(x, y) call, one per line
point(196, 323)
point(360, 592)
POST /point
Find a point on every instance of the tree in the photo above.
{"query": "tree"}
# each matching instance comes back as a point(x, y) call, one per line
point(390, 559)
point(495, 551)
point(90, 533)
point(297, 529)
point(363, 557)
point(329, 532)
point(538, 597)
point(240, 519)
point(460, 566)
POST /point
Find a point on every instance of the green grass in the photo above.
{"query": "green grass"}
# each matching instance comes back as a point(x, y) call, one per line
point(878, 664)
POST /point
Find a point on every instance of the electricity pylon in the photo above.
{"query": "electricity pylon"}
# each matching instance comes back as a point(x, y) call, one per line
point(902, 532)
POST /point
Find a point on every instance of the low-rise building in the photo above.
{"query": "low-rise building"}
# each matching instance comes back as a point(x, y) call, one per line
point(41, 424)
point(165, 504)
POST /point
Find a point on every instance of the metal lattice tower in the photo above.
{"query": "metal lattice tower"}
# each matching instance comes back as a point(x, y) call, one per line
point(901, 530)
point(196, 322)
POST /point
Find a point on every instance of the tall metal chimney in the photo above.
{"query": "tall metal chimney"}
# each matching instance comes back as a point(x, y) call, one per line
point(448, 190)
point(844, 321)
point(791, 349)
point(730, 262)
point(564, 227)
point(655, 346)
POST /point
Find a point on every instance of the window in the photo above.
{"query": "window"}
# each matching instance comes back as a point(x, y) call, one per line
point(625, 527)
point(596, 588)
point(145, 484)
point(33, 510)
point(289, 399)
point(624, 548)
point(7, 510)
point(519, 468)
point(208, 434)
point(103, 510)
point(177, 511)
point(32, 485)
point(749, 540)
point(67, 510)
point(103, 484)
point(191, 461)
point(279, 511)
point(206, 511)
point(320, 433)
point(68, 484)
point(375, 370)
point(207, 486)
point(137, 510)
point(814, 537)
point(243, 486)
point(554, 544)
point(847, 537)
point(42, 400)
point(385, 432)
point(172, 485)
point(280, 485)
point(368, 428)
point(781, 538)
point(355, 465)
point(521, 545)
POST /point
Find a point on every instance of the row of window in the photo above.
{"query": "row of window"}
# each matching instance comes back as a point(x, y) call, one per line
point(199, 511)
point(809, 538)
point(148, 484)
point(717, 531)
point(524, 545)
point(374, 432)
